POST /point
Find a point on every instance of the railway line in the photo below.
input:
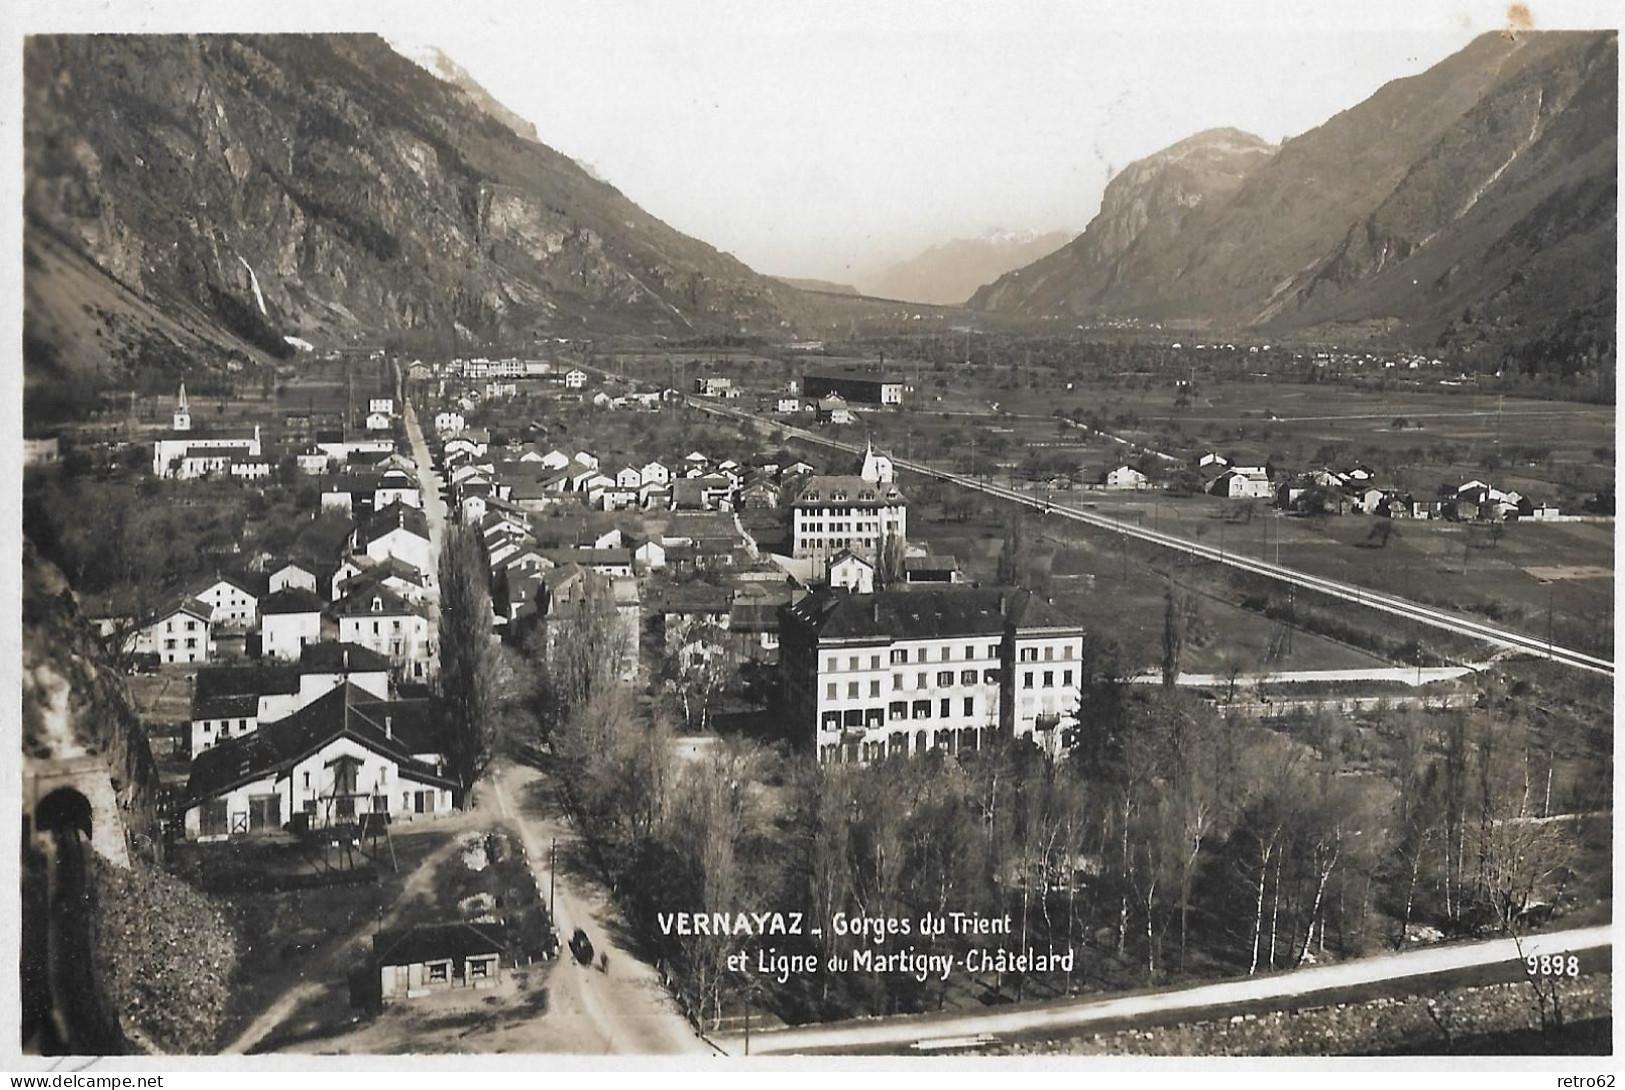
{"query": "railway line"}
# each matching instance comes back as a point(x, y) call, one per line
point(1432, 616)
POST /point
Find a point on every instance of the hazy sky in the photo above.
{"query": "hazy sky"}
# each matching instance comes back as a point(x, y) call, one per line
point(825, 137)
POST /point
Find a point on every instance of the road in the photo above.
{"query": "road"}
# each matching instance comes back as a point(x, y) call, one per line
point(624, 1010)
point(1332, 588)
point(1284, 991)
point(434, 506)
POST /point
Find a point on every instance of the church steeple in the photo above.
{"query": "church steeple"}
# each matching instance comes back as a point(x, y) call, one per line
point(183, 412)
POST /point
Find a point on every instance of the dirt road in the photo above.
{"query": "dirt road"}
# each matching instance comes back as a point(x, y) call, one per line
point(624, 1010)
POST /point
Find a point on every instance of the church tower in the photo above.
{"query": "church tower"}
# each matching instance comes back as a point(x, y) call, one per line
point(876, 467)
point(183, 413)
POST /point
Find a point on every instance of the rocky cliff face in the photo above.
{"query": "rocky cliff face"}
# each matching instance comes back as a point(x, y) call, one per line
point(75, 706)
point(1147, 209)
point(326, 187)
point(1480, 191)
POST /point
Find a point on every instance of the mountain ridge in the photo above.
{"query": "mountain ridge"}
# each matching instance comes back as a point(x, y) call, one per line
point(1432, 179)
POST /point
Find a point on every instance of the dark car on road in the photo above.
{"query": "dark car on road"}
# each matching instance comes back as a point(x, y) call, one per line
point(581, 947)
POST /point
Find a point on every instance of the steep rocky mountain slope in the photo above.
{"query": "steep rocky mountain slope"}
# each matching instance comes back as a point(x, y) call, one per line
point(1474, 202)
point(947, 274)
point(251, 188)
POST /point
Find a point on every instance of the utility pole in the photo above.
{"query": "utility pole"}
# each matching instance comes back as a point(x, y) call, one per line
point(552, 879)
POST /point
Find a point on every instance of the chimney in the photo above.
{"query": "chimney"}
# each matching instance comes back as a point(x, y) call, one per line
point(876, 606)
point(389, 727)
point(1001, 603)
point(346, 660)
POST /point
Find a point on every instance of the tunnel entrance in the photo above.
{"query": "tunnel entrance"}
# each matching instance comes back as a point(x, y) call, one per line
point(63, 810)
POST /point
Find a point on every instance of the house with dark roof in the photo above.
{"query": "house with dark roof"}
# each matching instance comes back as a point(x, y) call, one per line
point(289, 619)
point(235, 599)
point(331, 761)
point(901, 672)
point(435, 957)
point(397, 530)
point(182, 631)
point(231, 701)
point(382, 621)
point(835, 512)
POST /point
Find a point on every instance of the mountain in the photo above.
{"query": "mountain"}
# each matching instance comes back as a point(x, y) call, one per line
point(828, 286)
point(443, 68)
point(1473, 204)
point(190, 199)
point(948, 273)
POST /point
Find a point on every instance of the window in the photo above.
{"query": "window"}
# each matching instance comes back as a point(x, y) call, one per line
point(1066, 677)
point(439, 971)
point(829, 691)
point(919, 680)
point(1027, 680)
point(919, 655)
point(897, 709)
point(1049, 654)
point(922, 709)
point(208, 726)
point(1029, 654)
point(874, 662)
point(242, 724)
point(834, 664)
point(191, 641)
point(970, 652)
point(213, 818)
point(1049, 679)
point(970, 705)
point(480, 967)
point(899, 654)
point(874, 688)
point(947, 708)
point(1066, 652)
point(945, 678)
point(967, 677)
point(852, 717)
point(992, 650)
point(852, 662)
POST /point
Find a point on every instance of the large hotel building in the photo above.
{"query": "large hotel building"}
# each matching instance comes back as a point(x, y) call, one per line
point(900, 672)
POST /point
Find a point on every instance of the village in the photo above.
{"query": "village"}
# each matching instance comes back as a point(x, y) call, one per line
point(744, 584)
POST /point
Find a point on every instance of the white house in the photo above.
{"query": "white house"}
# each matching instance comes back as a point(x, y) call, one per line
point(1125, 478)
point(382, 621)
point(385, 405)
point(293, 574)
point(332, 761)
point(848, 571)
point(575, 378)
point(289, 620)
point(396, 486)
point(378, 421)
point(654, 473)
point(399, 531)
point(235, 602)
point(651, 554)
point(448, 422)
point(182, 632)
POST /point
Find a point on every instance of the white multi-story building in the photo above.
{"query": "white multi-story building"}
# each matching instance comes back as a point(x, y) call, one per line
point(289, 620)
point(846, 512)
point(901, 672)
point(382, 621)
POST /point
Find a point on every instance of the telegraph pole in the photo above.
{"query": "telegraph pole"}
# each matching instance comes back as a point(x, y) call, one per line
point(552, 880)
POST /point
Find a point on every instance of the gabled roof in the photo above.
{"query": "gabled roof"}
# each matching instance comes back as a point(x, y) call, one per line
point(340, 658)
point(275, 749)
point(917, 614)
point(360, 604)
point(847, 490)
point(290, 600)
point(397, 516)
point(433, 942)
point(247, 584)
point(222, 692)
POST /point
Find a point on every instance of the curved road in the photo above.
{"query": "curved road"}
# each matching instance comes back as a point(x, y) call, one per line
point(1349, 592)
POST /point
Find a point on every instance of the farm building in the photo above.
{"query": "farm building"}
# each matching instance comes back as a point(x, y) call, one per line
point(869, 387)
